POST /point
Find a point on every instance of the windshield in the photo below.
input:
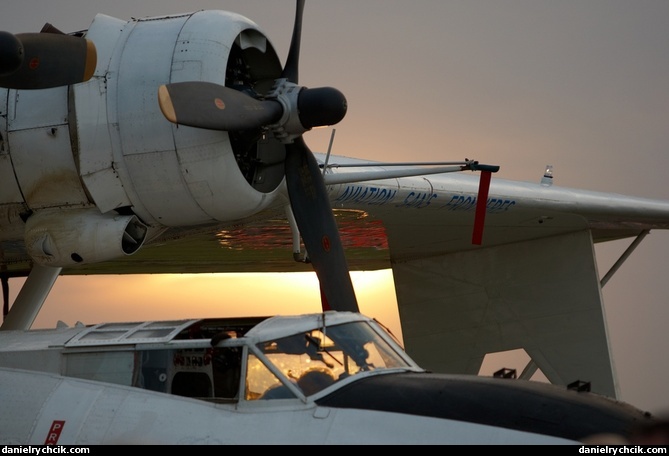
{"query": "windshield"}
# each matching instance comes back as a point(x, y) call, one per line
point(318, 358)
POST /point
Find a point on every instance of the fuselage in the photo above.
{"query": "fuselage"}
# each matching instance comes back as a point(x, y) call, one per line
point(331, 378)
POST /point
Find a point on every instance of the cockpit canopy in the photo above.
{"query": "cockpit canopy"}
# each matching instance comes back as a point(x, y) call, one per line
point(317, 356)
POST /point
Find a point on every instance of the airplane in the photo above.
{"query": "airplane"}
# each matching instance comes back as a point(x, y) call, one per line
point(142, 168)
point(334, 377)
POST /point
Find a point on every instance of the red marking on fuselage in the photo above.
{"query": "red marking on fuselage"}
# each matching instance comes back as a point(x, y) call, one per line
point(54, 432)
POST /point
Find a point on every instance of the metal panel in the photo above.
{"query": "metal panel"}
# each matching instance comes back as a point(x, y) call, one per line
point(144, 65)
point(46, 179)
point(39, 142)
point(93, 130)
point(157, 178)
point(9, 190)
point(146, 141)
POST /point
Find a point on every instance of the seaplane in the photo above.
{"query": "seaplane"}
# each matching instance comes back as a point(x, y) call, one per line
point(137, 145)
point(334, 377)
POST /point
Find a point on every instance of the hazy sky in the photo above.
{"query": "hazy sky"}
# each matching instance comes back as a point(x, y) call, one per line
point(581, 85)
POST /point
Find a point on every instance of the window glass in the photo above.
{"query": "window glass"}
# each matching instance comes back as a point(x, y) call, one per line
point(318, 358)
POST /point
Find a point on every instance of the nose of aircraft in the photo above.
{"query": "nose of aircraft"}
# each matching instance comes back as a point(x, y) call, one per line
point(509, 403)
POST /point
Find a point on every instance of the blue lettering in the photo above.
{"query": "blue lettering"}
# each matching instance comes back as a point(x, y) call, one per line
point(418, 200)
point(468, 203)
point(380, 196)
point(497, 205)
point(460, 203)
point(369, 195)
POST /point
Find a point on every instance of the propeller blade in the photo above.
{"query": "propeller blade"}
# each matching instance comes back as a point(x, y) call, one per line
point(11, 53)
point(291, 68)
point(215, 107)
point(318, 227)
point(45, 60)
point(288, 110)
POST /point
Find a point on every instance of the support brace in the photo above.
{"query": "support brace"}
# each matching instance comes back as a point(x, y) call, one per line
point(30, 299)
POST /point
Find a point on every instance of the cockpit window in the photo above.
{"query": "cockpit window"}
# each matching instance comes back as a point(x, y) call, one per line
point(318, 358)
point(262, 383)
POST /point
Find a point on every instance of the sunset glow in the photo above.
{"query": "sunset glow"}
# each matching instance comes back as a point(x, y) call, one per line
point(175, 296)
point(582, 86)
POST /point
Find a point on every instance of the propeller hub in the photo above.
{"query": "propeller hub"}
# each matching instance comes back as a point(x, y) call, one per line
point(321, 107)
point(304, 109)
point(289, 126)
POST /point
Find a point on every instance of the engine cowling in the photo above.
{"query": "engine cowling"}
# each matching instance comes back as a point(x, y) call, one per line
point(173, 175)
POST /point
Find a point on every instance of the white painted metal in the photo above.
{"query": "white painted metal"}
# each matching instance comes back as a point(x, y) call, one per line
point(68, 238)
point(42, 407)
point(9, 190)
point(626, 254)
point(93, 414)
point(486, 307)
point(113, 145)
point(39, 142)
point(171, 175)
point(96, 133)
point(31, 298)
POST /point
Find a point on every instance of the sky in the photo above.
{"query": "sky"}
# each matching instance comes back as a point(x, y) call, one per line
point(582, 86)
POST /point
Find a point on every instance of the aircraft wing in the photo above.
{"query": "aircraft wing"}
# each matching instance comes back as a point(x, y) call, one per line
point(533, 283)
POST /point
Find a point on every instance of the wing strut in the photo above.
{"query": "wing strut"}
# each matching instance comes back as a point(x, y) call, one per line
point(31, 297)
point(623, 257)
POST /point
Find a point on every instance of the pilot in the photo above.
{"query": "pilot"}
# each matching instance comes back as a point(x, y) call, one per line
point(315, 380)
point(277, 391)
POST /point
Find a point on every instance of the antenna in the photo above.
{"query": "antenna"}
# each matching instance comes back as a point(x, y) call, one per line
point(327, 156)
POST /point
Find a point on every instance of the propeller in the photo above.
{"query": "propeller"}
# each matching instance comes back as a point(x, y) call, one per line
point(45, 60)
point(288, 110)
